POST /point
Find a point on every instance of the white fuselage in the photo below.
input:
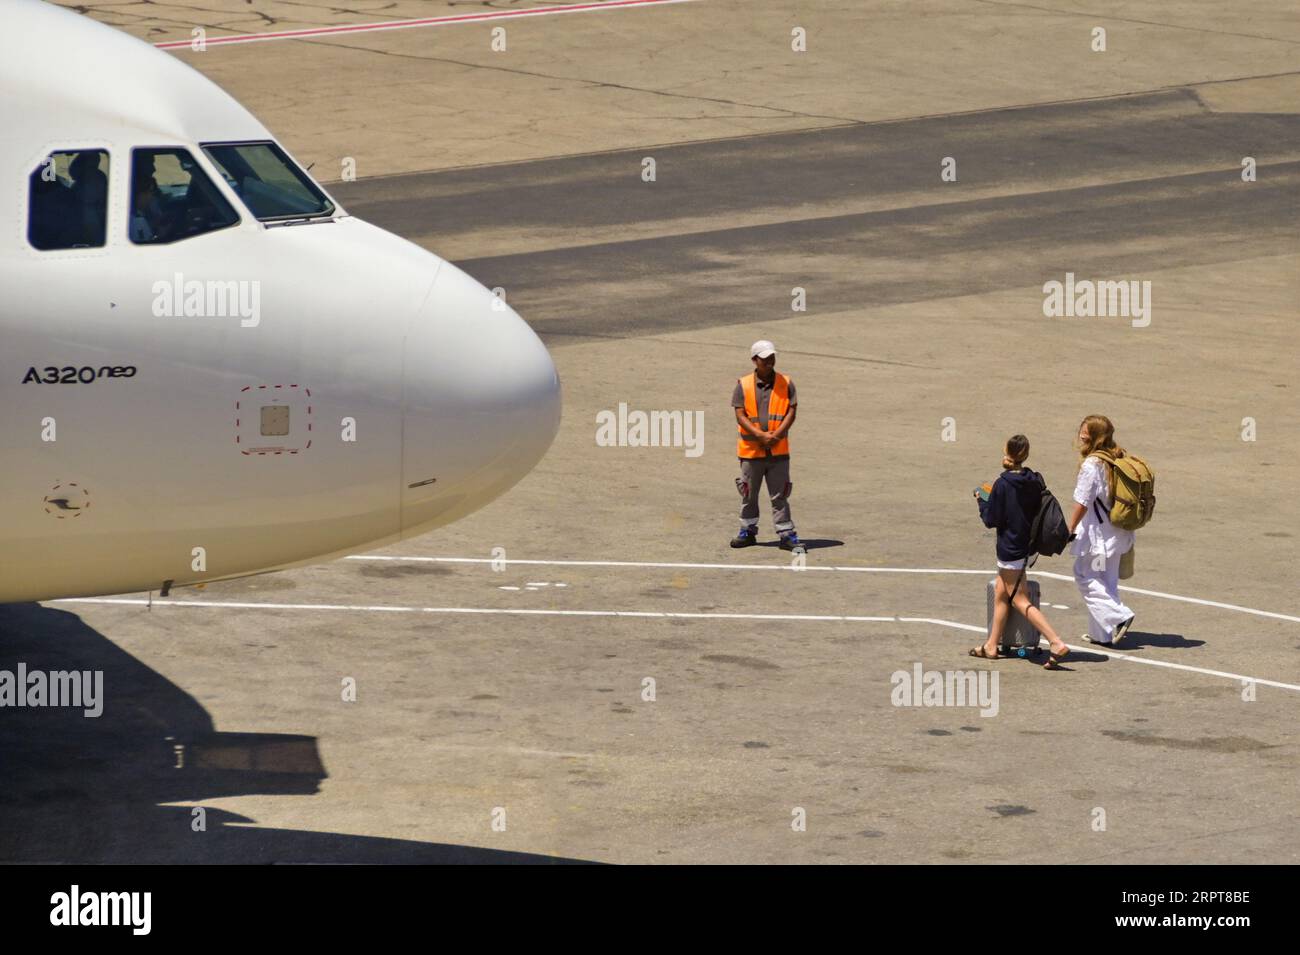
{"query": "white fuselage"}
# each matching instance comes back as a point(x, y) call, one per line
point(399, 393)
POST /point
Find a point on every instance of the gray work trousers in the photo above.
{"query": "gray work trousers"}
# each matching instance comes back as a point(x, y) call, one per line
point(777, 473)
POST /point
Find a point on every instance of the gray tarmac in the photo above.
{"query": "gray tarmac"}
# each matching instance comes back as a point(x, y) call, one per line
point(1124, 185)
point(517, 692)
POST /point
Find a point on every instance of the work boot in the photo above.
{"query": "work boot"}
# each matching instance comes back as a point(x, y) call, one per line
point(747, 537)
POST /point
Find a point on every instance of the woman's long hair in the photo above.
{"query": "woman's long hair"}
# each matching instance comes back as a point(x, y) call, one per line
point(1101, 437)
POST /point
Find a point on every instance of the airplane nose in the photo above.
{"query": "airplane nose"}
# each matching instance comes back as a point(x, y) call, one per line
point(482, 402)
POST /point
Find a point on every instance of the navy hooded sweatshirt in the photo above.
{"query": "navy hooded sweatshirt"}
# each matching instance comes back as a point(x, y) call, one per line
point(1010, 509)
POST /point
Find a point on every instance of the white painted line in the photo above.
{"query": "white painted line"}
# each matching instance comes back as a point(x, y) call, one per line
point(640, 614)
point(382, 25)
point(671, 565)
point(943, 623)
point(1181, 666)
point(1187, 600)
point(377, 608)
point(813, 568)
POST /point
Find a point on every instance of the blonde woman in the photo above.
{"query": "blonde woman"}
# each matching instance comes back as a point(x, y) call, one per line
point(1098, 544)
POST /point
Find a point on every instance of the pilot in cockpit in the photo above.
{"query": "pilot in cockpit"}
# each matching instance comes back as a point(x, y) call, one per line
point(146, 205)
point(90, 198)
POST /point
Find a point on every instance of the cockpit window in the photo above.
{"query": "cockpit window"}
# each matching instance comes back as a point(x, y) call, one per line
point(68, 201)
point(173, 199)
point(270, 184)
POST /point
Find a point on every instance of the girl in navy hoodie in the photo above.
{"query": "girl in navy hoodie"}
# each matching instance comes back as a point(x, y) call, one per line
point(1010, 508)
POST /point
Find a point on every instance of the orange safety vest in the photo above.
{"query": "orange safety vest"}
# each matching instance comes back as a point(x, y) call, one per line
point(777, 408)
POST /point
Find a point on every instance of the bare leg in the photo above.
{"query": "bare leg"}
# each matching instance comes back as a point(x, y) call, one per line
point(1001, 610)
point(1035, 616)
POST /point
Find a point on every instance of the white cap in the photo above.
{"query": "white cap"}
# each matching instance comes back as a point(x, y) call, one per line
point(761, 349)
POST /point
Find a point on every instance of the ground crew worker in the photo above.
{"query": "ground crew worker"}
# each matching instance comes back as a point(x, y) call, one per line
point(765, 407)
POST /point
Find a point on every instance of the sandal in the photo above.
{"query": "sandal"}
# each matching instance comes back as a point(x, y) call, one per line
point(1054, 658)
point(979, 652)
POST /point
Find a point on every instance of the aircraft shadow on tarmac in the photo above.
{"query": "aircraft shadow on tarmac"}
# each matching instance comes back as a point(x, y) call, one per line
point(84, 789)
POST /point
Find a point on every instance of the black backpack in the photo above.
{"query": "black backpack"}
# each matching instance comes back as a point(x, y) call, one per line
point(1048, 533)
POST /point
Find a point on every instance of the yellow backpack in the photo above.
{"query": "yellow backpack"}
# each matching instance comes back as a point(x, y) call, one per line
point(1132, 490)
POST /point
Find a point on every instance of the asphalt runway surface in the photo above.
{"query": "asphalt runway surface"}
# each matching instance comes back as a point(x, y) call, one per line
point(859, 212)
point(500, 665)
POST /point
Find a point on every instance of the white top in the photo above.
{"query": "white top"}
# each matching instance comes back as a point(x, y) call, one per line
point(1097, 536)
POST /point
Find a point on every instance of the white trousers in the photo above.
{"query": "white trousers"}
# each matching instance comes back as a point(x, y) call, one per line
point(1100, 592)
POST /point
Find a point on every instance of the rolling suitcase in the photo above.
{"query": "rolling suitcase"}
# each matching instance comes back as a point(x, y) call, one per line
point(1019, 637)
